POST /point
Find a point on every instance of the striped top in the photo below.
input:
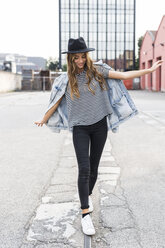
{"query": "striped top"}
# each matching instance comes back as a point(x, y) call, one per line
point(89, 108)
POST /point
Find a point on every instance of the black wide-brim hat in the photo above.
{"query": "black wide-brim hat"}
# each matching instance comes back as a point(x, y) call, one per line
point(77, 46)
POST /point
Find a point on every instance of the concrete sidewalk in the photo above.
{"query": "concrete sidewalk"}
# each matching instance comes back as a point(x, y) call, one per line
point(56, 222)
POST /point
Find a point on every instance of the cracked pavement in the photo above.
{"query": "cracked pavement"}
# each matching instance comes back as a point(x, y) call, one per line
point(41, 207)
point(57, 218)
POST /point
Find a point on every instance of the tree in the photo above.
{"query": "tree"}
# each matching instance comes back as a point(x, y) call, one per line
point(64, 67)
point(140, 40)
point(52, 64)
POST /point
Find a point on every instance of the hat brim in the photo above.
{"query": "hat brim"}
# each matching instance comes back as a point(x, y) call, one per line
point(80, 51)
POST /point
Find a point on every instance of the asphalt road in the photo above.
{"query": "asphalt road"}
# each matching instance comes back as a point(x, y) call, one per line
point(29, 167)
point(28, 157)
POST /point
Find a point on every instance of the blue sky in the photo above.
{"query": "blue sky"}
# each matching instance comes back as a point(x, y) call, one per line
point(31, 27)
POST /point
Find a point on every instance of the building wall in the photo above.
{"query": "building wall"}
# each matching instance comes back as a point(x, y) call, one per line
point(23, 62)
point(159, 53)
point(107, 26)
point(153, 49)
point(9, 81)
point(146, 59)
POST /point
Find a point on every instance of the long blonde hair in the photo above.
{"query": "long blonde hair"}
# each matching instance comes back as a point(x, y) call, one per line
point(90, 73)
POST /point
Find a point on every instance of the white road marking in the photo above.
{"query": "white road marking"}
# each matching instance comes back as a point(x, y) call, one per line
point(107, 158)
point(107, 177)
point(103, 199)
point(46, 199)
point(113, 170)
point(153, 119)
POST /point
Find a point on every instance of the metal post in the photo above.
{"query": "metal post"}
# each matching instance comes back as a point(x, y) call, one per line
point(87, 241)
point(44, 84)
point(60, 34)
point(97, 46)
point(134, 34)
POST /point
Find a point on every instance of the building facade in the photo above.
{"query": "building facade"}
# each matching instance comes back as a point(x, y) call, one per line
point(106, 25)
point(22, 62)
point(153, 49)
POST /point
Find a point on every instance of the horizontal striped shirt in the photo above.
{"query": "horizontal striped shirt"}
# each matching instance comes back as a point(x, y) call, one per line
point(89, 108)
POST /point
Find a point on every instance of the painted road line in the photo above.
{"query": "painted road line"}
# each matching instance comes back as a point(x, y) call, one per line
point(151, 119)
point(107, 177)
point(87, 241)
point(105, 170)
point(107, 158)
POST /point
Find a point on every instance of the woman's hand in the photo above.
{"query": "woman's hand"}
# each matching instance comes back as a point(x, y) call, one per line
point(39, 123)
point(156, 65)
point(48, 113)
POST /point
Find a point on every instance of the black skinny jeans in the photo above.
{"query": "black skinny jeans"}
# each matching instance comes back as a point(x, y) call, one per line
point(83, 135)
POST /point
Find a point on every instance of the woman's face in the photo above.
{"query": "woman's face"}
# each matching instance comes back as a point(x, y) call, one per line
point(80, 60)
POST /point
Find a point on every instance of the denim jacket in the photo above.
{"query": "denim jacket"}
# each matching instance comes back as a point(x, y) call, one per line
point(122, 105)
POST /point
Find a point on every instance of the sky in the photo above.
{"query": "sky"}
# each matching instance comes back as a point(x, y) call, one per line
point(30, 27)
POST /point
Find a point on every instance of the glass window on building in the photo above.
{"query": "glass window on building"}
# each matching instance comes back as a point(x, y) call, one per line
point(108, 26)
point(73, 4)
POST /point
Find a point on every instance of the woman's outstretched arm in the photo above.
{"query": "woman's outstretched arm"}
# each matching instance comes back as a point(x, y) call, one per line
point(48, 113)
point(133, 74)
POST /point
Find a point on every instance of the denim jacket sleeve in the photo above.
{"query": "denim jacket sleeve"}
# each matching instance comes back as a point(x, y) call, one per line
point(59, 119)
point(122, 104)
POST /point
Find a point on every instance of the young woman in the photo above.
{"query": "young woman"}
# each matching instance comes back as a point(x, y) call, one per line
point(88, 105)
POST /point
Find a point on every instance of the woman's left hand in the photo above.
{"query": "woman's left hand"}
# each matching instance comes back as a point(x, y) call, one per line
point(156, 65)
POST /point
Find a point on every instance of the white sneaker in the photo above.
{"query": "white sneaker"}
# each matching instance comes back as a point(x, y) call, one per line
point(90, 204)
point(87, 225)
